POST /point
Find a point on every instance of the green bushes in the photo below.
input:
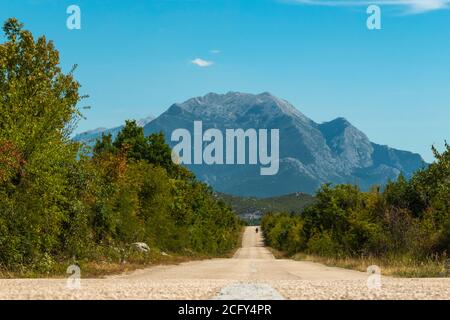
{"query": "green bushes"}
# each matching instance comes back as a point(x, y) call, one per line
point(408, 218)
point(58, 204)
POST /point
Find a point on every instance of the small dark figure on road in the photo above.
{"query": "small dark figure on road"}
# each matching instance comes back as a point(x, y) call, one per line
point(256, 230)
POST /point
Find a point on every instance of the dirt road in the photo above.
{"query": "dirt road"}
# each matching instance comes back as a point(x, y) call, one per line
point(252, 273)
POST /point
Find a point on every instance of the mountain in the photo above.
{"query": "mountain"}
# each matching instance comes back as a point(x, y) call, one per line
point(310, 153)
point(91, 136)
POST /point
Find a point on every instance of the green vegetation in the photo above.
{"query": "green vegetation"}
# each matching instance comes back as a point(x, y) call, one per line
point(405, 227)
point(251, 209)
point(59, 206)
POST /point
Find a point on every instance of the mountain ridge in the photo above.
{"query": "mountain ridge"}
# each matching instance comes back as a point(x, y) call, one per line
point(311, 154)
point(91, 136)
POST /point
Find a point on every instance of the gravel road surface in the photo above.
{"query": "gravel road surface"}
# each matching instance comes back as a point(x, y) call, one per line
point(252, 273)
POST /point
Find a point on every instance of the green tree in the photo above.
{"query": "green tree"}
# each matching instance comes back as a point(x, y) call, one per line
point(160, 153)
point(104, 145)
point(37, 113)
point(131, 138)
point(58, 203)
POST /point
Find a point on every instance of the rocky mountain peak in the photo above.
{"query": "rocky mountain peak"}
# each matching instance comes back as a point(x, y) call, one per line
point(233, 105)
point(310, 154)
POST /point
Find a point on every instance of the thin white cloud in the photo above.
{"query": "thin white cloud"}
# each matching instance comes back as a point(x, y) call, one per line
point(202, 63)
point(408, 6)
point(215, 51)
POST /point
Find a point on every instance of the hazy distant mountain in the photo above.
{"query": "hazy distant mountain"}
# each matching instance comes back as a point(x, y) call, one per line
point(310, 153)
point(91, 136)
point(251, 209)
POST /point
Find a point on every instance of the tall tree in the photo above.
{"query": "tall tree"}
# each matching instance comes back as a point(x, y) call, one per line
point(38, 108)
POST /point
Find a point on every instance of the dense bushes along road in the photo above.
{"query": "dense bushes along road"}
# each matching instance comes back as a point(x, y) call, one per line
point(58, 205)
point(409, 220)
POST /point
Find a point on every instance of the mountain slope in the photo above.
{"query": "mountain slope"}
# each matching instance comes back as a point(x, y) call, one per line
point(310, 154)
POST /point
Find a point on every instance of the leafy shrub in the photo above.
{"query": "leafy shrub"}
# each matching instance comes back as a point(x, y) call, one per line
point(408, 218)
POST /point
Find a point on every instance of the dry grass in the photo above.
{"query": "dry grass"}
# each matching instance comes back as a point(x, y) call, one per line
point(394, 266)
point(277, 253)
point(98, 269)
point(103, 266)
point(94, 269)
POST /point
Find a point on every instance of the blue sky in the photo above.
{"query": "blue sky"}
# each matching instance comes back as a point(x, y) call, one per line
point(136, 58)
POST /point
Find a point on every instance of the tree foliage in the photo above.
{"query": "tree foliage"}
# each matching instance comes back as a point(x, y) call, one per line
point(59, 204)
point(409, 217)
